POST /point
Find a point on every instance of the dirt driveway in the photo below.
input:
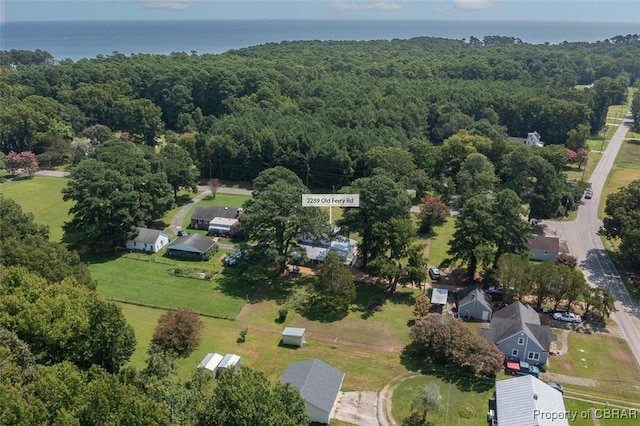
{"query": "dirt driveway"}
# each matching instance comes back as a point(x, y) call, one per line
point(358, 408)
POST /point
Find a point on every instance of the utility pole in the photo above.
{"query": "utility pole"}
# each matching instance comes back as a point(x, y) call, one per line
point(308, 170)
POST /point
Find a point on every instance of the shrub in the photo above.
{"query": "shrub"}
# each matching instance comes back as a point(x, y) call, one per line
point(243, 335)
point(282, 314)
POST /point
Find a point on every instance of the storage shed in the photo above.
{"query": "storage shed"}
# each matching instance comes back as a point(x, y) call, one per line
point(230, 361)
point(211, 361)
point(293, 336)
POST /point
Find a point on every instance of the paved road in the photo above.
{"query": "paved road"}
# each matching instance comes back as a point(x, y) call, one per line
point(585, 244)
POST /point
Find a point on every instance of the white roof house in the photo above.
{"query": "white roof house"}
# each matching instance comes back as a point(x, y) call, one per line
point(149, 240)
point(222, 224)
point(528, 401)
point(293, 336)
point(211, 361)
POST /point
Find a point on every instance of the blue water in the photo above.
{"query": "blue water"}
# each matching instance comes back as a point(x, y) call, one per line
point(76, 40)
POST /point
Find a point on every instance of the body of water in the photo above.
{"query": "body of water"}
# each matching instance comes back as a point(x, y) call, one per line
point(76, 40)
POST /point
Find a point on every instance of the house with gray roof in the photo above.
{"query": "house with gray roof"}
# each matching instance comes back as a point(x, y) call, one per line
point(528, 401)
point(149, 240)
point(218, 220)
point(192, 246)
point(544, 248)
point(517, 332)
point(475, 304)
point(318, 383)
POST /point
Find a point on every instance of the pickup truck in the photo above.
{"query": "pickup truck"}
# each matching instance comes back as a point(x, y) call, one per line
point(520, 368)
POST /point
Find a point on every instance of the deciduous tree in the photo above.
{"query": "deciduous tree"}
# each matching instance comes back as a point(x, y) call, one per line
point(179, 168)
point(623, 221)
point(179, 331)
point(433, 212)
point(334, 288)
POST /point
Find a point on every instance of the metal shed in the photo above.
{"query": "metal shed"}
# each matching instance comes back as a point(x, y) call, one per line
point(293, 336)
point(229, 361)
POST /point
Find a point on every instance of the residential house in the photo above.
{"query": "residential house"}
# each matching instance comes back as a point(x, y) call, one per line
point(517, 332)
point(317, 248)
point(293, 336)
point(218, 220)
point(149, 240)
point(191, 246)
point(544, 248)
point(533, 139)
point(318, 383)
point(528, 401)
point(474, 304)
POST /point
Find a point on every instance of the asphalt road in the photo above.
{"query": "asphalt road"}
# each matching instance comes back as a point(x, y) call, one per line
point(584, 243)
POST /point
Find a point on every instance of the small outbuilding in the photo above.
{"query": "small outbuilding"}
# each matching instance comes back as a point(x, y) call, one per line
point(318, 383)
point(211, 361)
point(439, 296)
point(293, 336)
point(528, 401)
point(475, 305)
point(148, 240)
point(230, 361)
point(544, 248)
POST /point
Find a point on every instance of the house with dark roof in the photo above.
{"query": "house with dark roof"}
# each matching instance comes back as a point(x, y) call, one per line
point(528, 401)
point(318, 383)
point(192, 246)
point(544, 248)
point(475, 304)
point(149, 240)
point(218, 220)
point(517, 332)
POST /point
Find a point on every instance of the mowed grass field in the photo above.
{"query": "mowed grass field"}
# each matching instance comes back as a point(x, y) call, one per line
point(151, 282)
point(42, 196)
point(605, 359)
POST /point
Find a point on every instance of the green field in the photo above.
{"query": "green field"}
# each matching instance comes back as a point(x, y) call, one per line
point(149, 282)
point(41, 196)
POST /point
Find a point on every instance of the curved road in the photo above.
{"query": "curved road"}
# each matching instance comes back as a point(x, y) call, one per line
point(584, 243)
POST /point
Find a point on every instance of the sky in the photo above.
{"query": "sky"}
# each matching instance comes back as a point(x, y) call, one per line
point(489, 10)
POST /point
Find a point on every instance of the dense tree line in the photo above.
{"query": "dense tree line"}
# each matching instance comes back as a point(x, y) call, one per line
point(317, 108)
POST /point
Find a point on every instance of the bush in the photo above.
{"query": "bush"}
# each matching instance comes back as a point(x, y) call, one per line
point(243, 335)
point(282, 314)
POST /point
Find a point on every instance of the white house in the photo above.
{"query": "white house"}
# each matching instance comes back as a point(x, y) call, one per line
point(318, 383)
point(533, 139)
point(149, 240)
point(293, 336)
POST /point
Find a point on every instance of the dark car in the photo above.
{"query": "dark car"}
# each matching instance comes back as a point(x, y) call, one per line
point(182, 233)
point(434, 273)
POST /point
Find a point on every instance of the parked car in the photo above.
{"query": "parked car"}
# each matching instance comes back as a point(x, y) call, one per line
point(434, 273)
point(182, 233)
point(567, 317)
point(588, 194)
point(495, 289)
point(556, 386)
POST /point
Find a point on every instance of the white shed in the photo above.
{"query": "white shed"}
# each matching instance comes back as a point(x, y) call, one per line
point(229, 361)
point(293, 336)
point(211, 361)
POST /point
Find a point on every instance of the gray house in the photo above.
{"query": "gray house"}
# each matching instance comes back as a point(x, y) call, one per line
point(544, 248)
point(517, 332)
point(318, 383)
point(475, 304)
point(191, 246)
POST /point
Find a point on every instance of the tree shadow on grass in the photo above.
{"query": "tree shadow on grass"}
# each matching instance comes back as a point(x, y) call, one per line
point(464, 381)
point(314, 309)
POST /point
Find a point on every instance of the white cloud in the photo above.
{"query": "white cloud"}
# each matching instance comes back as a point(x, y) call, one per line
point(168, 4)
point(368, 5)
point(473, 4)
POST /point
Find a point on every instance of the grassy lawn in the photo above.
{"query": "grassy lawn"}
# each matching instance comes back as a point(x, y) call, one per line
point(605, 359)
point(149, 282)
point(464, 401)
point(367, 367)
point(583, 416)
point(41, 196)
point(439, 242)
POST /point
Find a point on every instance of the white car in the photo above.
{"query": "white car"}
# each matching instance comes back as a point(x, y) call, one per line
point(567, 316)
